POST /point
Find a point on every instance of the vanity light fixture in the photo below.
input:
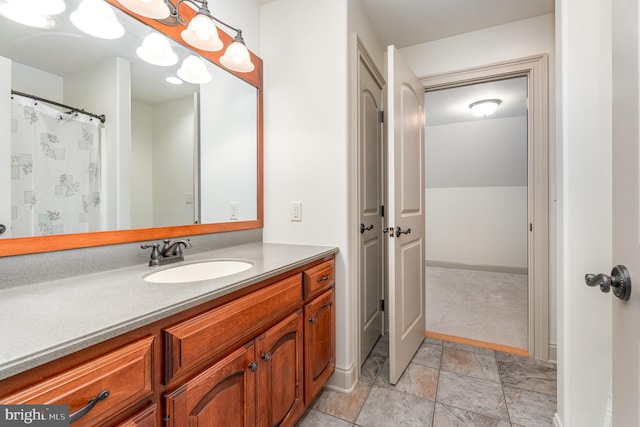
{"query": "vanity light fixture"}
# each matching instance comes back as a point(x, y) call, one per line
point(96, 18)
point(194, 70)
point(37, 13)
point(484, 108)
point(201, 31)
point(156, 50)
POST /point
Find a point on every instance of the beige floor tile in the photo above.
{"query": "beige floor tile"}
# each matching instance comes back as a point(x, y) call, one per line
point(475, 365)
point(471, 394)
point(385, 407)
point(342, 405)
point(449, 416)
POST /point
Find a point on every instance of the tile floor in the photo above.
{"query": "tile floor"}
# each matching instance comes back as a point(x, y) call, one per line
point(446, 385)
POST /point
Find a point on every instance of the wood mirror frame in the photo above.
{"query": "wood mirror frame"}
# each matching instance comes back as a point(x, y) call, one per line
point(36, 244)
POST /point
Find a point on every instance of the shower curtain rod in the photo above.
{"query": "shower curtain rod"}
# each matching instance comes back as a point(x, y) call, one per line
point(100, 117)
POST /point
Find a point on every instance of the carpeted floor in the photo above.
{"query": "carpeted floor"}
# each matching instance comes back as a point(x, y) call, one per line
point(480, 305)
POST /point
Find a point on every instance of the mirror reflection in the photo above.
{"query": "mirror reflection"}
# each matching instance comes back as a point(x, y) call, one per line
point(167, 154)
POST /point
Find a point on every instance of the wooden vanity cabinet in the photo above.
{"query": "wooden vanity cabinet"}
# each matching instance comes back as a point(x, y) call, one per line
point(259, 384)
point(256, 357)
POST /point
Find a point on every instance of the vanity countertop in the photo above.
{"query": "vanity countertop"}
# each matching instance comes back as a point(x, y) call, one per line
point(42, 322)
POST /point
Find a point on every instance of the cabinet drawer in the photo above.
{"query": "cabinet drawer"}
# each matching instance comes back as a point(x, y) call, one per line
point(125, 373)
point(318, 278)
point(189, 343)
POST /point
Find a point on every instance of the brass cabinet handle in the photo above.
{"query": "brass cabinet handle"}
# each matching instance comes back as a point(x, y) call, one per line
point(88, 407)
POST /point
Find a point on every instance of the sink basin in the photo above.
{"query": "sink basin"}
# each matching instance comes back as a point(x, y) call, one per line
point(198, 271)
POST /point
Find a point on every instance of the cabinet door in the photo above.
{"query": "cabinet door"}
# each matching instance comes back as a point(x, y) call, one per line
point(280, 395)
point(319, 343)
point(223, 395)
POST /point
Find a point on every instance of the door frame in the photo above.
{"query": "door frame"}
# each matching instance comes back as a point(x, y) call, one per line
point(535, 68)
point(362, 54)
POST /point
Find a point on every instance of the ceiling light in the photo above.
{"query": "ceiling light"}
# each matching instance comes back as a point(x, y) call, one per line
point(26, 14)
point(155, 9)
point(156, 50)
point(174, 80)
point(194, 70)
point(96, 18)
point(484, 108)
point(201, 31)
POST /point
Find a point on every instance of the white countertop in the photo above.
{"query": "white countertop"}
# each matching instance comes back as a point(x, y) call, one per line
point(45, 321)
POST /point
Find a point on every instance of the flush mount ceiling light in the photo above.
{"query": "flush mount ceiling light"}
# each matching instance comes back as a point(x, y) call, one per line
point(37, 13)
point(194, 70)
point(484, 108)
point(201, 31)
point(96, 18)
point(156, 50)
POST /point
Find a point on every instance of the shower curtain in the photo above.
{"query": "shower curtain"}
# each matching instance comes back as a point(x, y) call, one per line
point(55, 170)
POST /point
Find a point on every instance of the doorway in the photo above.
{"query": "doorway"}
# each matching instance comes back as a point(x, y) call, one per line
point(535, 69)
point(476, 214)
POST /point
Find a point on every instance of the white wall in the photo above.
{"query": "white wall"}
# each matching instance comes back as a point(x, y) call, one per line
point(173, 142)
point(497, 44)
point(105, 88)
point(359, 23)
point(37, 82)
point(228, 154)
point(584, 233)
point(476, 197)
point(142, 164)
point(304, 47)
point(485, 226)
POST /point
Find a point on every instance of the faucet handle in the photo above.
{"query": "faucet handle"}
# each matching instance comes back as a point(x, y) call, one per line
point(155, 253)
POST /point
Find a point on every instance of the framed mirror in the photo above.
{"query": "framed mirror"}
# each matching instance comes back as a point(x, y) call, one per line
point(174, 160)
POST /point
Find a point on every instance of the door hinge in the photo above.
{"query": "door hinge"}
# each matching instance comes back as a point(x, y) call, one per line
point(382, 211)
point(381, 117)
point(381, 305)
point(530, 227)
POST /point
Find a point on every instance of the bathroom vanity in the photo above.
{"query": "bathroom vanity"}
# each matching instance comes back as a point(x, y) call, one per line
point(253, 348)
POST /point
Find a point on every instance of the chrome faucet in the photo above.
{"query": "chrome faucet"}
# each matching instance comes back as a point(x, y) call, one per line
point(170, 252)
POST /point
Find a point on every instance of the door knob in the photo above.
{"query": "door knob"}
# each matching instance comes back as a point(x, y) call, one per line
point(620, 281)
point(363, 228)
point(400, 231)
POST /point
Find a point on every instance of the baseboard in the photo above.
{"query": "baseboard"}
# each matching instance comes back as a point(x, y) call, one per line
point(343, 380)
point(477, 343)
point(556, 420)
point(478, 267)
point(553, 353)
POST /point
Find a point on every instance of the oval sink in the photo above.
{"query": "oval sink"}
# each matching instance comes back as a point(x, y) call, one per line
point(198, 271)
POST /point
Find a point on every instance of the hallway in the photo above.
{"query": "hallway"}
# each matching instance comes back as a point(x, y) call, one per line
point(446, 385)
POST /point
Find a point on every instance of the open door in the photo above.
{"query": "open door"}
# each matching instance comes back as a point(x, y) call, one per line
point(405, 175)
point(626, 217)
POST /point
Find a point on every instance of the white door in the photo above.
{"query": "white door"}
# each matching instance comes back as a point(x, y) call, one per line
point(626, 217)
point(405, 174)
point(370, 191)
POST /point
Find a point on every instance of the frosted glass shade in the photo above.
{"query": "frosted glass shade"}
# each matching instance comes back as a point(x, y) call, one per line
point(24, 13)
point(202, 34)
point(48, 7)
point(193, 70)
point(485, 107)
point(96, 18)
point(154, 9)
point(237, 58)
point(156, 50)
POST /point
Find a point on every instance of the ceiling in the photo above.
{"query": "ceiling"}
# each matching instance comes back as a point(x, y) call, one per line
point(452, 105)
point(409, 22)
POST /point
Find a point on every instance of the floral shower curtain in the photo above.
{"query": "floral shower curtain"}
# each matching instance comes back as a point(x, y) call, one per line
point(55, 170)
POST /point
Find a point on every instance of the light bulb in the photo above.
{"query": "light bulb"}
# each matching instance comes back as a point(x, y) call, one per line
point(156, 50)
point(96, 18)
point(194, 70)
point(202, 33)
